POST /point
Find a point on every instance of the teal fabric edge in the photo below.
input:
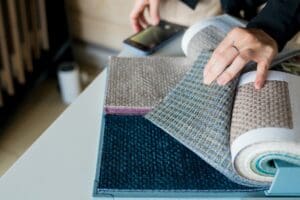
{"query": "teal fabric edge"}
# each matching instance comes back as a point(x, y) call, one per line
point(261, 165)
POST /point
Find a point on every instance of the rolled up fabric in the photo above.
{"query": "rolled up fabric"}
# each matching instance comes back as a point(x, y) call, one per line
point(265, 125)
point(242, 142)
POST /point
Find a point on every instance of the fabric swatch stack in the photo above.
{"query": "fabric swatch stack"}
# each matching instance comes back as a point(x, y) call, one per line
point(167, 131)
point(136, 154)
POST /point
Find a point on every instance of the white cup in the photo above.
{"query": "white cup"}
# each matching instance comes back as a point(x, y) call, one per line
point(69, 82)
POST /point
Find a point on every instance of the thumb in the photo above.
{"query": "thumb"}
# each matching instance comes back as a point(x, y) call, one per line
point(154, 11)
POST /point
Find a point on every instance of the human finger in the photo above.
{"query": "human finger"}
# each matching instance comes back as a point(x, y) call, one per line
point(225, 43)
point(218, 62)
point(233, 70)
point(154, 11)
point(143, 21)
point(261, 74)
point(135, 14)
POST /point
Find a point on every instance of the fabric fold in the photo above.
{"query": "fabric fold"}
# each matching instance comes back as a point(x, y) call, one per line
point(199, 117)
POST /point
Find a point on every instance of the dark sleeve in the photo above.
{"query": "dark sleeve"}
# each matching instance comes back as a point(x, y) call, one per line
point(280, 19)
point(191, 3)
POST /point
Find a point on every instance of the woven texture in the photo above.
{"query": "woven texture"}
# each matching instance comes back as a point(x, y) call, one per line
point(268, 107)
point(205, 40)
point(137, 156)
point(198, 116)
point(136, 85)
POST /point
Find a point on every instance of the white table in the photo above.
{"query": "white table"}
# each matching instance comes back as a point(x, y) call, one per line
point(61, 163)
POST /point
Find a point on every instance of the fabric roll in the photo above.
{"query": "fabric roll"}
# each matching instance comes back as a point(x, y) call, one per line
point(138, 156)
point(263, 128)
point(268, 107)
point(136, 85)
point(238, 133)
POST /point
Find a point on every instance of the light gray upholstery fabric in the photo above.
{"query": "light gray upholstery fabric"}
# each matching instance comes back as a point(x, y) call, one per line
point(199, 116)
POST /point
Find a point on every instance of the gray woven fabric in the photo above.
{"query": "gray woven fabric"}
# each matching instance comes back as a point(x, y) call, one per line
point(198, 116)
point(206, 39)
point(138, 84)
point(268, 107)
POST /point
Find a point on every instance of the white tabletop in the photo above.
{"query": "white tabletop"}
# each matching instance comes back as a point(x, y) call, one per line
point(61, 163)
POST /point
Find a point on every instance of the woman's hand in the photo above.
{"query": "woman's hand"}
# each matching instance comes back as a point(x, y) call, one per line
point(137, 18)
point(238, 48)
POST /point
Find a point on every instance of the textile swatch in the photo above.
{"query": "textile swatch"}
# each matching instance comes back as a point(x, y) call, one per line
point(205, 40)
point(263, 128)
point(138, 156)
point(136, 85)
point(268, 107)
point(199, 116)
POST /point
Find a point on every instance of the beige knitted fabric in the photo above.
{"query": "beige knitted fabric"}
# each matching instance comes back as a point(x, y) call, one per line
point(136, 85)
point(142, 82)
point(267, 107)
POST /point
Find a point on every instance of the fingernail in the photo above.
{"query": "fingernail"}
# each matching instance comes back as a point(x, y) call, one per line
point(206, 81)
point(257, 85)
point(221, 81)
point(205, 77)
point(155, 21)
point(204, 72)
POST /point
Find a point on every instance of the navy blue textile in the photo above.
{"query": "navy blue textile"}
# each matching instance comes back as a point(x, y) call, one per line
point(137, 155)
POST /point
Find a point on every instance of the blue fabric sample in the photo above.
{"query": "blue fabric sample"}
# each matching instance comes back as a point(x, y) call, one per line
point(137, 155)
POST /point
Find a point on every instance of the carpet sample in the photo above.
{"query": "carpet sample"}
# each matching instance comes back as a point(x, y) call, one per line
point(136, 85)
point(138, 156)
point(267, 107)
point(263, 129)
